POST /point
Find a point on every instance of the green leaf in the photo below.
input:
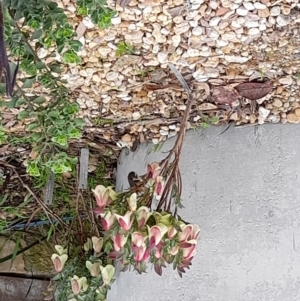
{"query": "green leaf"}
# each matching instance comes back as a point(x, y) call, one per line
point(33, 125)
point(56, 68)
point(28, 82)
point(52, 5)
point(60, 48)
point(79, 122)
point(75, 45)
point(37, 34)
point(33, 169)
point(56, 277)
point(53, 114)
point(61, 140)
point(12, 103)
point(23, 114)
point(36, 136)
point(39, 100)
point(2, 88)
point(74, 133)
point(70, 57)
point(17, 247)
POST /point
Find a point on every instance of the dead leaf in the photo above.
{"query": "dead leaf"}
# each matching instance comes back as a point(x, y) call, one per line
point(155, 87)
point(123, 3)
point(126, 60)
point(203, 86)
point(224, 95)
point(255, 90)
point(207, 106)
point(157, 76)
point(33, 154)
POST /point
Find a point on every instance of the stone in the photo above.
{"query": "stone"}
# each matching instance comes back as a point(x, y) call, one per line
point(253, 31)
point(134, 36)
point(275, 11)
point(248, 5)
point(264, 13)
point(162, 57)
point(264, 113)
point(259, 5)
point(288, 80)
point(116, 20)
point(297, 112)
point(283, 20)
point(112, 75)
point(88, 23)
point(214, 21)
point(293, 118)
point(277, 103)
point(176, 39)
point(197, 31)
point(242, 11)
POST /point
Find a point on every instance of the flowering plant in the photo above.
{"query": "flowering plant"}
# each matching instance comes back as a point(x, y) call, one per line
point(137, 227)
point(135, 235)
point(95, 275)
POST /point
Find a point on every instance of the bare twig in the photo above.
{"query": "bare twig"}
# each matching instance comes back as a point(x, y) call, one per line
point(47, 210)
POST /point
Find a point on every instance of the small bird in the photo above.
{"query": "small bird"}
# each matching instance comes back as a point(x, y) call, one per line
point(136, 183)
point(133, 179)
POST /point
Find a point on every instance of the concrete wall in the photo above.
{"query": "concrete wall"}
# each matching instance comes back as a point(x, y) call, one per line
point(243, 188)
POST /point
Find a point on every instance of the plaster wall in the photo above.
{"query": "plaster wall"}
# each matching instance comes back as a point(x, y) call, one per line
point(243, 189)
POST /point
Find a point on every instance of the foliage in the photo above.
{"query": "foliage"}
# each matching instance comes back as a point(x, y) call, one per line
point(124, 48)
point(207, 121)
point(3, 136)
point(130, 233)
point(97, 9)
point(50, 117)
point(95, 275)
point(135, 235)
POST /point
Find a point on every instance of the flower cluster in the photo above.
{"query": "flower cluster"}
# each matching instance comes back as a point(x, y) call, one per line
point(97, 277)
point(136, 236)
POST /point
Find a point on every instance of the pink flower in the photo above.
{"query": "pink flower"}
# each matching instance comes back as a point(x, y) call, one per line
point(98, 211)
point(189, 253)
point(97, 244)
point(119, 241)
point(172, 232)
point(143, 213)
point(124, 221)
point(107, 220)
point(137, 239)
point(156, 233)
point(195, 232)
point(153, 170)
point(159, 186)
point(94, 268)
point(59, 261)
point(132, 202)
point(158, 253)
point(102, 196)
point(78, 284)
point(141, 253)
point(189, 232)
point(186, 232)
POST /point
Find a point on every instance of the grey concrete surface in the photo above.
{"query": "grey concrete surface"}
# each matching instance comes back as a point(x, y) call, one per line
point(243, 189)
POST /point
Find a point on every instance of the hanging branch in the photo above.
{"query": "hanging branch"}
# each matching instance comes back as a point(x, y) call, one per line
point(168, 167)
